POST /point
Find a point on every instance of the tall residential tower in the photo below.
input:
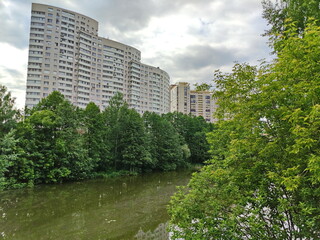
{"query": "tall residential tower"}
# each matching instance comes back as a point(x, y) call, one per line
point(66, 54)
point(180, 97)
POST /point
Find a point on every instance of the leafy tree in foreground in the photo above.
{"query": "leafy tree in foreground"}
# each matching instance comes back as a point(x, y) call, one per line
point(263, 181)
point(279, 11)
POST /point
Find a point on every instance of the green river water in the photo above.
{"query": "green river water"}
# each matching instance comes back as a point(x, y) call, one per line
point(116, 208)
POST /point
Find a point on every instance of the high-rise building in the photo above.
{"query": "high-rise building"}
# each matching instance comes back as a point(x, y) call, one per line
point(66, 54)
point(180, 97)
point(197, 103)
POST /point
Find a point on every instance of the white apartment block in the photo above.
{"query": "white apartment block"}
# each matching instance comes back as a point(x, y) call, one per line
point(66, 54)
point(180, 97)
point(197, 103)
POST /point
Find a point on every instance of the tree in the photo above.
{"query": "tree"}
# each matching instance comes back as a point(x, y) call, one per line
point(168, 151)
point(202, 87)
point(133, 145)
point(94, 136)
point(8, 114)
point(264, 177)
point(126, 136)
point(52, 137)
point(192, 132)
point(278, 12)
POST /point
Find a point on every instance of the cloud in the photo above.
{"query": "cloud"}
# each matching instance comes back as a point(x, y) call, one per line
point(14, 24)
point(201, 56)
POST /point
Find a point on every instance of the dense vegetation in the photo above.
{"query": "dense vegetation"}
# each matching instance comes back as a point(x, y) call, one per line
point(263, 181)
point(57, 142)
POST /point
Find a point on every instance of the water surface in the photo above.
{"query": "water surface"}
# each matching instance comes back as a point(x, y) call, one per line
point(118, 208)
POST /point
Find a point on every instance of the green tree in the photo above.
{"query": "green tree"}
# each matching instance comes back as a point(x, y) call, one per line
point(192, 132)
point(52, 136)
point(168, 151)
point(95, 132)
point(133, 144)
point(126, 136)
point(17, 170)
point(202, 87)
point(264, 177)
point(8, 114)
point(278, 12)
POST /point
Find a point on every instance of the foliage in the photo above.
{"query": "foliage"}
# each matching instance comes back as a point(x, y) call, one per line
point(278, 12)
point(264, 177)
point(166, 146)
point(193, 132)
point(53, 139)
point(94, 136)
point(126, 136)
point(8, 114)
point(202, 87)
point(57, 142)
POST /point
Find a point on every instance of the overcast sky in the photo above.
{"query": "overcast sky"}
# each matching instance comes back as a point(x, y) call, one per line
point(189, 39)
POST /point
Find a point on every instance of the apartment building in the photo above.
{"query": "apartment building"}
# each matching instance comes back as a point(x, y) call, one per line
point(202, 104)
point(67, 54)
point(197, 103)
point(180, 97)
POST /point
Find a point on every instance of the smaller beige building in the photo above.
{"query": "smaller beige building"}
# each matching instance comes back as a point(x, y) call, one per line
point(202, 104)
point(197, 103)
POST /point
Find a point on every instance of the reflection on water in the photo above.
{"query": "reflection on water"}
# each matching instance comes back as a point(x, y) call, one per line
point(159, 233)
point(119, 208)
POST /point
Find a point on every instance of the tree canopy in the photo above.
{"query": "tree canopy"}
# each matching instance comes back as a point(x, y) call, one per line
point(57, 142)
point(263, 179)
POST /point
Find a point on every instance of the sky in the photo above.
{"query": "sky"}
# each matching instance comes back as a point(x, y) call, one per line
point(189, 39)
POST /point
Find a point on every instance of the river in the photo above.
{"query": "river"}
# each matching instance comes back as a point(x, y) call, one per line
point(115, 208)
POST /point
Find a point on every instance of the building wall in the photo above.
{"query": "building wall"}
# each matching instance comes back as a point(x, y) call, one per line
point(180, 97)
point(66, 54)
point(202, 104)
point(198, 103)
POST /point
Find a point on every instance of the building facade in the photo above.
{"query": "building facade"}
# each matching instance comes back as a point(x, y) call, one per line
point(180, 97)
point(197, 103)
point(202, 104)
point(66, 54)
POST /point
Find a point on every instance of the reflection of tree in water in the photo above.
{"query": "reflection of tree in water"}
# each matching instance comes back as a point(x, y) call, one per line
point(160, 233)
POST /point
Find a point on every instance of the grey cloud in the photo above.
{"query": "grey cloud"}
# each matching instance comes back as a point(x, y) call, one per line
point(14, 73)
point(117, 17)
point(15, 24)
point(200, 56)
point(195, 65)
point(19, 78)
